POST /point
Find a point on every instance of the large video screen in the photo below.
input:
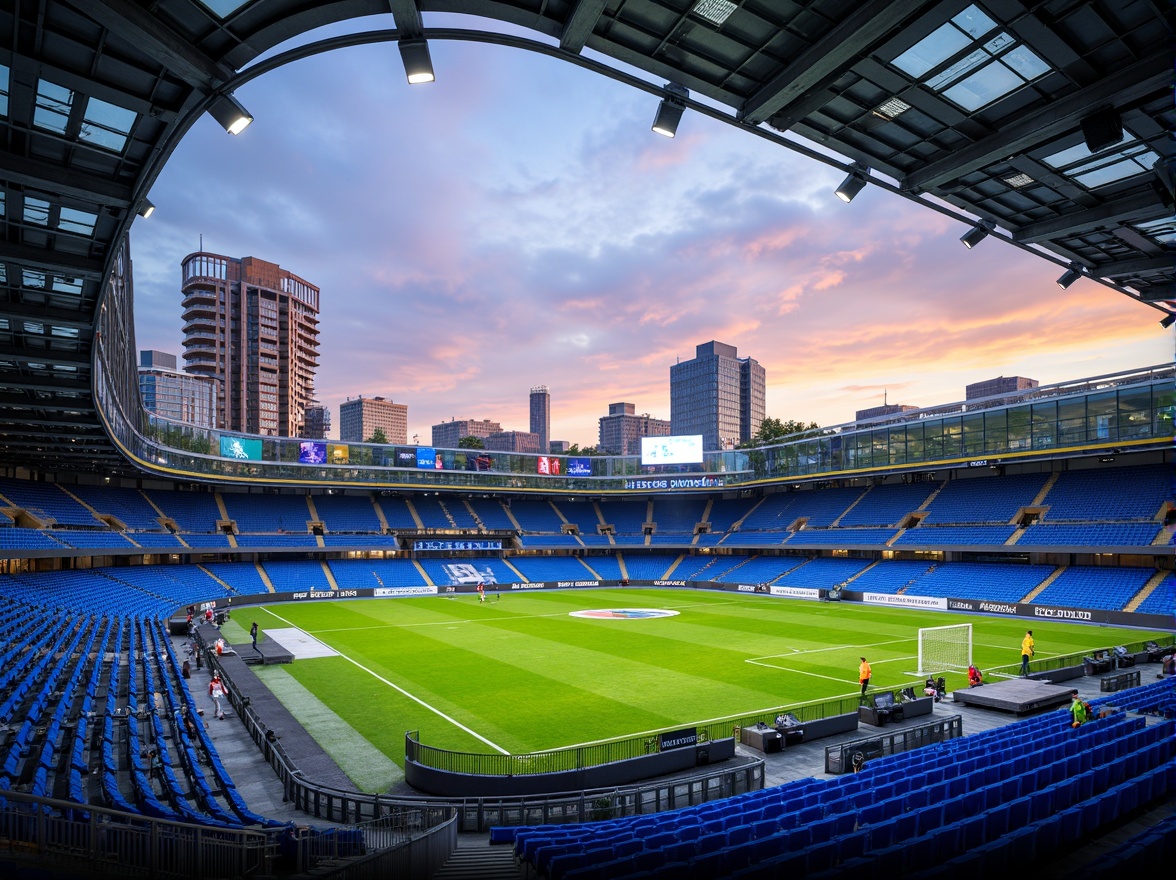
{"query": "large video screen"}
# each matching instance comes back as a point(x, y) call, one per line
point(240, 447)
point(312, 452)
point(686, 449)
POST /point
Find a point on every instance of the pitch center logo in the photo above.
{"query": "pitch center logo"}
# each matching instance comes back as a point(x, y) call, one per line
point(624, 613)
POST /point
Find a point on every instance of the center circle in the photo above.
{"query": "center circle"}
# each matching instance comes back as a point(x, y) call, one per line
point(623, 613)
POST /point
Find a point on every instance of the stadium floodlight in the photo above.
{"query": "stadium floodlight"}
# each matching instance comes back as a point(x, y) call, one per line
point(418, 64)
point(228, 111)
point(945, 648)
point(977, 233)
point(1072, 274)
point(669, 111)
point(852, 185)
point(146, 208)
point(1168, 320)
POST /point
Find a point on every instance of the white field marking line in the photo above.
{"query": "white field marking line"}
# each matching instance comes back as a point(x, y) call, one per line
point(796, 652)
point(415, 699)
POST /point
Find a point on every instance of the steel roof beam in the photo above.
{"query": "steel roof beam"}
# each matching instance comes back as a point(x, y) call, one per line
point(1056, 227)
point(579, 25)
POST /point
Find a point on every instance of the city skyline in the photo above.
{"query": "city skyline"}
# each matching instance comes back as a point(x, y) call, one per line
point(516, 223)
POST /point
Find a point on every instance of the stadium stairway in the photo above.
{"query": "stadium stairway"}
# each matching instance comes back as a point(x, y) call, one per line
point(475, 859)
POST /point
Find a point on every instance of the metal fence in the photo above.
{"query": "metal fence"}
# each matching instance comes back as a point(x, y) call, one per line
point(96, 840)
point(1048, 664)
point(579, 757)
point(838, 758)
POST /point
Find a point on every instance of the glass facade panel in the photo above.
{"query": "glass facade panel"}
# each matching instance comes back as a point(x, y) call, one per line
point(1071, 422)
point(996, 431)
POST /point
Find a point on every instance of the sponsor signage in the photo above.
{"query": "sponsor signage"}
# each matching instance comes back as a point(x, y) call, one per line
point(457, 545)
point(678, 483)
point(426, 457)
point(905, 601)
point(998, 608)
point(385, 592)
point(312, 452)
point(527, 586)
point(326, 594)
point(579, 467)
point(678, 739)
point(404, 457)
point(669, 583)
point(338, 453)
point(240, 447)
point(577, 583)
point(686, 449)
point(1061, 613)
point(796, 592)
point(550, 465)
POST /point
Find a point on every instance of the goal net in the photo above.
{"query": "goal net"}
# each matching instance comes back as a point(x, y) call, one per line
point(943, 648)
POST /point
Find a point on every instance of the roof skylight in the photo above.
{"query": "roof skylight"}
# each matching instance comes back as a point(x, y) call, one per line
point(1125, 159)
point(107, 125)
point(981, 72)
point(53, 106)
point(1162, 230)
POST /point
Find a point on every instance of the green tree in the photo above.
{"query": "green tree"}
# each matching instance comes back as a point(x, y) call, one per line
point(378, 436)
point(471, 442)
point(774, 430)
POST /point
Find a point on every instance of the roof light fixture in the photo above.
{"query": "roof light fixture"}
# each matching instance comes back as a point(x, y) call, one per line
point(1162, 181)
point(852, 185)
point(1168, 320)
point(146, 208)
point(1072, 274)
point(418, 64)
point(669, 111)
point(977, 233)
point(228, 111)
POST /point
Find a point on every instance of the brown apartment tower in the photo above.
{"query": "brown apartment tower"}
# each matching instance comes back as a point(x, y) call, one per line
point(252, 326)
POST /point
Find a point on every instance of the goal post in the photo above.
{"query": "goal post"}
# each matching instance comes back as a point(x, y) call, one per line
point(945, 648)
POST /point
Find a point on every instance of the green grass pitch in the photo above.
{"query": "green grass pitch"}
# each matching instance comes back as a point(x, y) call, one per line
point(518, 674)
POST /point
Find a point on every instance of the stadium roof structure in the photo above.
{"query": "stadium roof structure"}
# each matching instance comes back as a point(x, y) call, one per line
point(1048, 125)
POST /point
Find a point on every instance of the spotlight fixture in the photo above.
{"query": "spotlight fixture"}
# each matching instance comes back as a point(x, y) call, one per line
point(146, 208)
point(1072, 274)
point(977, 233)
point(1168, 320)
point(669, 111)
point(418, 65)
point(1162, 181)
point(858, 176)
point(228, 111)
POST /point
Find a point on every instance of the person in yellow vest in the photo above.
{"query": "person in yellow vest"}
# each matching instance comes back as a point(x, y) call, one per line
point(864, 675)
point(1026, 651)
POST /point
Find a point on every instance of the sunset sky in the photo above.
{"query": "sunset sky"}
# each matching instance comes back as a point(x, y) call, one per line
point(516, 223)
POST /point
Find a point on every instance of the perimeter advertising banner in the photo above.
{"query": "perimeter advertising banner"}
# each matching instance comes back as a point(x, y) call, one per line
point(312, 452)
point(240, 447)
point(579, 467)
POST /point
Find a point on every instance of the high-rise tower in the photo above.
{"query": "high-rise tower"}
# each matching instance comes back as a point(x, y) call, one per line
point(253, 327)
point(541, 416)
point(718, 395)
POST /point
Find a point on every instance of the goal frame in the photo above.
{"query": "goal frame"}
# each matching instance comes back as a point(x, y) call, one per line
point(926, 633)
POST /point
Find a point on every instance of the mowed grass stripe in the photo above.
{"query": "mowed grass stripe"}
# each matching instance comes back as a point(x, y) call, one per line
point(367, 765)
point(522, 673)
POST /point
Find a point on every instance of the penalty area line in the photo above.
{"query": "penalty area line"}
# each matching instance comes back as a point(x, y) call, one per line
point(412, 697)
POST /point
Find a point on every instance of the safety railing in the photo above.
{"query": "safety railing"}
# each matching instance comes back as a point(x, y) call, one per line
point(840, 758)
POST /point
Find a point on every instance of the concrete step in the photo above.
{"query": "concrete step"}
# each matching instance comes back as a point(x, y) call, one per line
point(476, 859)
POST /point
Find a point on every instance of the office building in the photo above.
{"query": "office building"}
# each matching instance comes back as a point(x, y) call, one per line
point(447, 435)
point(541, 416)
point(360, 417)
point(316, 422)
point(252, 326)
point(886, 409)
point(622, 429)
point(718, 395)
point(175, 394)
point(999, 385)
point(514, 441)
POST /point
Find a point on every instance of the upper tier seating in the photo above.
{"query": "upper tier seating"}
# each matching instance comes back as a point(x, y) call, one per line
point(886, 505)
point(1090, 534)
point(986, 499)
point(267, 513)
point(1120, 493)
point(347, 513)
point(46, 501)
point(195, 512)
point(492, 514)
point(677, 515)
point(948, 536)
point(538, 517)
point(129, 506)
